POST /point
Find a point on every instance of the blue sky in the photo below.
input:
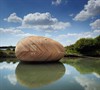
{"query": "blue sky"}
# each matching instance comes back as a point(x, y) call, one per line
point(63, 20)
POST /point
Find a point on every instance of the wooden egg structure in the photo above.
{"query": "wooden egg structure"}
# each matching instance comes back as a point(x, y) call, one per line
point(38, 48)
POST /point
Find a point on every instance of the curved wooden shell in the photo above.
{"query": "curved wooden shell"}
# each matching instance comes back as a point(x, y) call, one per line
point(38, 48)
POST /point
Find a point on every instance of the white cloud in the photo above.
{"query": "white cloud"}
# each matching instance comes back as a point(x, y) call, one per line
point(11, 78)
point(7, 66)
point(96, 74)
point(67, 71)
point(13, 18)
point(14, 31)
point(80, 35)
point(10, 31)
point(96, 31)
point(56, 2)
point(39, 21)
point(95, 24)
point(71, 38)
point(26, 34)
point(91, 9)
point(87, 83)
point(43, 21)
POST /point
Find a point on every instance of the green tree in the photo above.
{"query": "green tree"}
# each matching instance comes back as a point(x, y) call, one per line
point(85, 46)
point(97, 42)
point(3, 54)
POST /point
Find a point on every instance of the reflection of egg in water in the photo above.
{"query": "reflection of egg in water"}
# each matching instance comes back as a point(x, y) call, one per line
point(36, 75)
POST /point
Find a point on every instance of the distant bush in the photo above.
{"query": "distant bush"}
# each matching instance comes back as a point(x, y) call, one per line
point(85, 46)
point(8, 49)
point(3, 54)
point(70, 49)
point(6, 53)
point(97, 42)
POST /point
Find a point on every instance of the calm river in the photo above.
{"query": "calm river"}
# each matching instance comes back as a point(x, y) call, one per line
point(69, 74)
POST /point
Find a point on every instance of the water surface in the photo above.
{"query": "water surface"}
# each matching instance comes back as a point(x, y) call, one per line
point(70, 74)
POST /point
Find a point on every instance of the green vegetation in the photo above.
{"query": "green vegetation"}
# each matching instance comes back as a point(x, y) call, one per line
point(85, 47)
point(9, 60)
point(7, 53)
point(84, 65)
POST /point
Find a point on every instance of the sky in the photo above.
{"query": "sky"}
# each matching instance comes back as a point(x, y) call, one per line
point(65, 21)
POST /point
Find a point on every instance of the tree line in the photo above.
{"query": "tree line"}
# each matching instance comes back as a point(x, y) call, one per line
point(85, 46)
